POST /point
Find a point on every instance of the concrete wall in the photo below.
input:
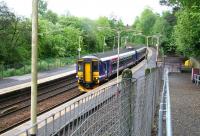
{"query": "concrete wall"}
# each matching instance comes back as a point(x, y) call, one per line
point(195, 62)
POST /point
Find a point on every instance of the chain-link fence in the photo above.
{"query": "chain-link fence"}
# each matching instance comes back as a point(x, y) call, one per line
point(123, 109)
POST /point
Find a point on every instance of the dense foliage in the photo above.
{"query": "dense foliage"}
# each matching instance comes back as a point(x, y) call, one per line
point(179, 29)
point(58, 35)
point(186, 33)
point(14, 36)
point(153, 24)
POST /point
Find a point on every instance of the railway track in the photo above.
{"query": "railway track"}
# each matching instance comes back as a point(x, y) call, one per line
point(15, 108)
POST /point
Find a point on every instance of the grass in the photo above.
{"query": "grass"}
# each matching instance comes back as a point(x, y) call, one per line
point(43, 65)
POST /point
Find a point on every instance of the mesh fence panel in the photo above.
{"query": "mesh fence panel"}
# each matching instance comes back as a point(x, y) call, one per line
point(124, 109)
point(129, 110)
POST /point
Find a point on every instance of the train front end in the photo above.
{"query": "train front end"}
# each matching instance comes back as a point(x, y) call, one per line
point(88, 73)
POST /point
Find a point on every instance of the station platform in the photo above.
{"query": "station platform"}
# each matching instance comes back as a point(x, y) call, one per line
point(18, 82)
point(185, 105)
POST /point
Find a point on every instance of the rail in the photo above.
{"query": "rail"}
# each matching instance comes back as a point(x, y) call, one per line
point(165, 109)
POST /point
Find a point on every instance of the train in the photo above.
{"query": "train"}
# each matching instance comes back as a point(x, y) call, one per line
point(92, 70)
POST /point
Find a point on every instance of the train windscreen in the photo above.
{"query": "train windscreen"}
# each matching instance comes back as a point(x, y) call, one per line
point(95, 66)
point(80, 66)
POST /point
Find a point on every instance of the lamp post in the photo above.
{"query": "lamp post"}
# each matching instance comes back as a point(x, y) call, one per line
point(147, 45)
point(157, 45)
point(104, 42)
point(34, 65)
point(79, 46)
point(126, 40)
point(114, 44)
point(118, 36)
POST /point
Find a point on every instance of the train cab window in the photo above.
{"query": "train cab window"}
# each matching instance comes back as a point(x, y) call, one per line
point(80, 66)
point(95, 66)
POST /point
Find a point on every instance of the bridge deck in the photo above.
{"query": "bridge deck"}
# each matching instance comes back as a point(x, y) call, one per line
point(185, 100)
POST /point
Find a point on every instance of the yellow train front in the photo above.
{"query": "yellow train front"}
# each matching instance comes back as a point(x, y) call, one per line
point(88, 73)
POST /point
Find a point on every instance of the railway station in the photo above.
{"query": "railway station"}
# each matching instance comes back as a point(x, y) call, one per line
point(85, 77)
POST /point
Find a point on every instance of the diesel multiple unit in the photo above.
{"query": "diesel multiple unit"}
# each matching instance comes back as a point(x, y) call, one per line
point(95, 69)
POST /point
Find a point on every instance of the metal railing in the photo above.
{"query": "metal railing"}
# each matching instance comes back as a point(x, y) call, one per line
point(165, 125)
point(123, 109)
point(173, 67)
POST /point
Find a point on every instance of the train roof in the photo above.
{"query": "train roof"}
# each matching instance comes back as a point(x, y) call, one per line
point(90, 56)
point(114, 52)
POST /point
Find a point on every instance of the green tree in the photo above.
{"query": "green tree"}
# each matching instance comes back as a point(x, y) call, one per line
point(14, 36)
point(187, 31)
point(42, 7)
point(181, 3)
point(51, 16)
point(104, 29)
point(164, 26)
point(57, 41)
point(145, 24)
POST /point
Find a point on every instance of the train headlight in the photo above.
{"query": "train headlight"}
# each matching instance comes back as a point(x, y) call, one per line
point(80, 79)
point(95, 79)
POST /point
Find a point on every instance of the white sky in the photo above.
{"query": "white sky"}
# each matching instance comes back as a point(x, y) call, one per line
point(127, 10)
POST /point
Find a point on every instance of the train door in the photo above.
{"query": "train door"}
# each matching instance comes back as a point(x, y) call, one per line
point(107, 68)
point(102, 69)
point(95, 69)
point(88, 72)
point(136, 56)
point(79, 69)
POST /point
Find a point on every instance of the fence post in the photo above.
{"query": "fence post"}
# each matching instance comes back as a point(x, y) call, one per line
point(1, 71)
point(15, 67)
point(127, 91)
point(24, 68)
point(48, 65)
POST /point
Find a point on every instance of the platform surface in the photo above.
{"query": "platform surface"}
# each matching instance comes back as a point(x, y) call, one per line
point(16, 80)
point(185, 105)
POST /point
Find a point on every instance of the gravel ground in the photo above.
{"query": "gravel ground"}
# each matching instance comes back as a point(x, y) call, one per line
point(185, 102)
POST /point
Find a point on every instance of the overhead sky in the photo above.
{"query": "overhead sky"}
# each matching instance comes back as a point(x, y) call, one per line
point(127, 10)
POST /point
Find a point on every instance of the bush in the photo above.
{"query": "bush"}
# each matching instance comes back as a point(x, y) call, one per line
point(43, 65)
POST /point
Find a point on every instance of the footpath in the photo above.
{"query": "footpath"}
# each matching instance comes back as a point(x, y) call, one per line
point(185, 105)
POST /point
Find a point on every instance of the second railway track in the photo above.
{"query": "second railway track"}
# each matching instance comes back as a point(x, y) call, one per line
point(15, 107)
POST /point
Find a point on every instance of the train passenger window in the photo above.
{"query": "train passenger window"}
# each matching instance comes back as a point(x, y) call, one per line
point(80, 66)
point(95, 66)
point(114, 65)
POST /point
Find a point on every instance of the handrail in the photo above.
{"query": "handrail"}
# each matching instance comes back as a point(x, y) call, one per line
point(165, 108)
point(168, 110)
